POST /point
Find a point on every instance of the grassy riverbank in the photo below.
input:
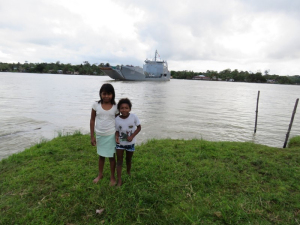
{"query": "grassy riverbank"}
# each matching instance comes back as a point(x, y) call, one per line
point(172, 182)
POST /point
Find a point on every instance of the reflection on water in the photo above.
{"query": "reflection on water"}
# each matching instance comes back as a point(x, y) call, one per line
point(37, 106)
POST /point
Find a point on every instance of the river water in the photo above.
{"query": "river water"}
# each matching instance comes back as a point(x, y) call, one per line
point(34, 107)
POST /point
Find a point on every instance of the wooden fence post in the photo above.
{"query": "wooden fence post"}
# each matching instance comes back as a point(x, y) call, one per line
point(291, 123)
point(256, 111)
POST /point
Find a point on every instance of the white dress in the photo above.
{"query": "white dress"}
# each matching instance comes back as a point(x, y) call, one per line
point(105, 130)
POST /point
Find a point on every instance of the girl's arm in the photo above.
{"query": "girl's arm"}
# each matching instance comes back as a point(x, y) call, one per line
point(138, 129)
point(117, 137)
point(92, 127)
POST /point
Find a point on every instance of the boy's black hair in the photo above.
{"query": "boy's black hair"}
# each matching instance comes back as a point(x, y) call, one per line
point(108, 88)
point(122, 101)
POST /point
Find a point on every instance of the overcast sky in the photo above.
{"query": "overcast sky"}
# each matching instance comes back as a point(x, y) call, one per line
point(196, 35)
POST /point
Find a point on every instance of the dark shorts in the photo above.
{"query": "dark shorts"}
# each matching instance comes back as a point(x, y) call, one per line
point(129, 148)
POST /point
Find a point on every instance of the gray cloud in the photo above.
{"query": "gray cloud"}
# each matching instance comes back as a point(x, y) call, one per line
point(199, 31)
point(191, 35)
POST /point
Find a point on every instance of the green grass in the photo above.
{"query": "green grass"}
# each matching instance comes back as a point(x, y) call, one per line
point(172, 182)
point(294, 142)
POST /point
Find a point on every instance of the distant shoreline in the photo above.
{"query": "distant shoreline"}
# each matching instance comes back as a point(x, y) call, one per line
point(103, 75)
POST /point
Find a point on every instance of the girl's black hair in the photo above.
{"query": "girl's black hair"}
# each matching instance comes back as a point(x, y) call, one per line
point(122, 101)
point(108, 88)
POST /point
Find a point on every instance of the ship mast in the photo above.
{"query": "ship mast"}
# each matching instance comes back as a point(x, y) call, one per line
point(155, 55)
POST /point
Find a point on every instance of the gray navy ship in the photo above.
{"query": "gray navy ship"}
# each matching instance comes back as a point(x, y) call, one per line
point(153, 70)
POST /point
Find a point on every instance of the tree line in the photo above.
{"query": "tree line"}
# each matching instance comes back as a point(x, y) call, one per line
point(239, 76)
point(86, 68)
point(55, 68)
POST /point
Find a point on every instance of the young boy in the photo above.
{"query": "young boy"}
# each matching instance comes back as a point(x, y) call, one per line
point(127, 127)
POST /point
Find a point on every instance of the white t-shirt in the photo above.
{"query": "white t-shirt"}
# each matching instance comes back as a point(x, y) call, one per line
point(126, 127)
point(105, 119)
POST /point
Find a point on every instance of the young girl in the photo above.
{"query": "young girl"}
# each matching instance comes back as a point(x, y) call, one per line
point(103, 113)
point(127, 127)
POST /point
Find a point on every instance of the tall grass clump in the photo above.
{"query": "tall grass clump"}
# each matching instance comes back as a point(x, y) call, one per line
point(294, 142)
point(61, 133)
point(172, 182)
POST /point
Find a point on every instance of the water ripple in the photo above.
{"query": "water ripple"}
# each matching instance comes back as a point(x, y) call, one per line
point(179, 109)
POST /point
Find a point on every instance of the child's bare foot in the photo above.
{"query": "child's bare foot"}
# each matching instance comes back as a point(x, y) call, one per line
point(97, 179)
point(119, 184)
point(112, 182)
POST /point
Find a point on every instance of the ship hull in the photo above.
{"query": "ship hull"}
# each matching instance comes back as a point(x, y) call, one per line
point(133, 74)
point(113, 73)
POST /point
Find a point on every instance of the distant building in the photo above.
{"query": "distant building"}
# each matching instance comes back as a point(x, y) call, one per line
point(200, 77)
point(216, 78)
point(271, 81)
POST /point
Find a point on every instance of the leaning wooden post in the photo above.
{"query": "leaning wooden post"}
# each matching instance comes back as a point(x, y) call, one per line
point(256, 111)
point(291, 123)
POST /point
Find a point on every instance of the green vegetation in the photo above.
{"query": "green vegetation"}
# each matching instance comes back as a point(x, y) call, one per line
point(241, 76)
point(55, 68)
point(172, 182)
point(87, 69)
point(294, 142)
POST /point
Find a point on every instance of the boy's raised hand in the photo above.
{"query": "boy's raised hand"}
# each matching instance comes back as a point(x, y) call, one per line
point(129, 138)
